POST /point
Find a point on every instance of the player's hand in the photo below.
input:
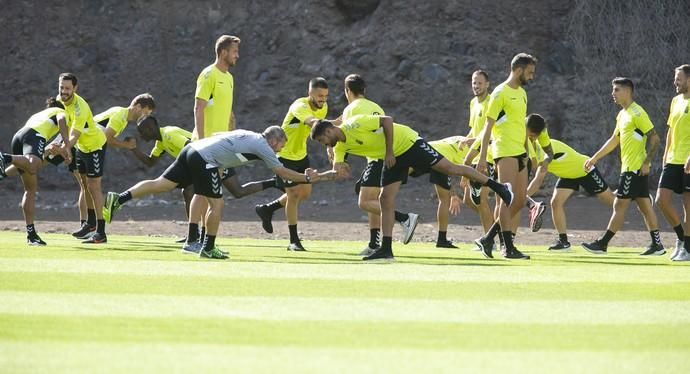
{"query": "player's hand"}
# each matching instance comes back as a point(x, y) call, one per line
point(454, 207)
point(130, 143)
point(644, 170)
point(389, 161)
point(589, 164)
point(330, 154)
point(481, 167)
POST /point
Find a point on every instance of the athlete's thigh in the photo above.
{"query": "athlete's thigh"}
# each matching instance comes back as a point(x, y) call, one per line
point(561, 195)
point(507, 169)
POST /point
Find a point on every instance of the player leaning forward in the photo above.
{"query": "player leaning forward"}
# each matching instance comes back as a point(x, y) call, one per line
point(198, 164)
point(401, 148)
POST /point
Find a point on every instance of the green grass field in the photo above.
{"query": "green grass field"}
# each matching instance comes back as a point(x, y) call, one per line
point(140, 304)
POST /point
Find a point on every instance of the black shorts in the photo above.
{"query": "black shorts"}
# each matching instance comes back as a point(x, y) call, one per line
point(421, 157)
point(632, 185)
point(91, 163)
point(190, 168)
point(673, 177)
point(521, 159)
point(299, 166)
point(28, 141)
point(435, 177)
point(228, 173)
point(491, 170)
point(593, 183)
point(371, 176)
point(57, 160)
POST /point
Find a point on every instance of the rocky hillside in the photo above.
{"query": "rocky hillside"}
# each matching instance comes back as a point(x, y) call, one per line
point(417, 57)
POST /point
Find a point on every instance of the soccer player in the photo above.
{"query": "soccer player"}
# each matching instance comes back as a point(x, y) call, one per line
point(569, 166)
point(171, 140)
point(633, 131)
point(297, 126)
point(213, 103)
point(368, 187)
point(453, 148)
point(90, 143)
point(115, 119)
point(401, 148)
point(477, 196)
point(674, 177)
point(505, 126)
point(28, 146)
point(198, 164)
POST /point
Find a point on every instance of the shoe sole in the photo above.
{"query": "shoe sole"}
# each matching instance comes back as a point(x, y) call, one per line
point(657, 253)
point(380, 260)
point(686, 259)
point(561, 250)
point(109, 202)
point(593, 251)
point(539, 220)
point(413, 227)
point(36, 244)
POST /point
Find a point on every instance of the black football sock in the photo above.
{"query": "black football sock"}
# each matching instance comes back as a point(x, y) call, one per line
point(608, 235)
point(374, 237)
point(441, 237)
point(274, 205)
point(209, 242)
point(192, 233)
point(401, 217)
point(679, 231)
point(656, 237)
point(294, 237)
point(563, 238)
point(100, 226)
point(91, 217)
point(124, 197)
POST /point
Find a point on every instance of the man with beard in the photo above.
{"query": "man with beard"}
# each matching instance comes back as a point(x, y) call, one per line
point(674, 177)
point(297, 126)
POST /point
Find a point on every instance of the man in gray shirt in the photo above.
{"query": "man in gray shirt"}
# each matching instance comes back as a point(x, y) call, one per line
point(200, 163)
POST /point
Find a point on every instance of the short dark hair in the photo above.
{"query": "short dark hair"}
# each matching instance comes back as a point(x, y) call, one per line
point(536, 123)
point(521, 60)
point(320, 128)
point(318, 82)
point(685, 68)
point(69, 77)
point(52, 102)
point(148, 121)
point(482, 72)
point(356, 84)
point(224, 42)
point(145, 100)
point(623, 81)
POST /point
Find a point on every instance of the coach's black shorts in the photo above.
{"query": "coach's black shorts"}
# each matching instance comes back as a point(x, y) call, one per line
point(227, 173)
point(299, 166)
point(91, 163)
point(632, 185)
point(521, 159)
point(593, 183)
point(28, 141)
point(191, 169)
point(421, 157)
point(673, 177)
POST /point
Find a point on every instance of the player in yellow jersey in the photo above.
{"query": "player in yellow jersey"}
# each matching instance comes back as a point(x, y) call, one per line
point(633, 131)
point(675, 177)
point(115, 119)
point(28, 148)
point(475, 196)
point(453, 148)
point(171, 140)
point(569, 166)
point(90, 143)
point(401, 148)
point(505, 127)
point(213, 105)
point(297, 126)
point(368, 187)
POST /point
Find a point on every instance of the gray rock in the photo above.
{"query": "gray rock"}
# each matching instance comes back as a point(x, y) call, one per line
point(433, 73)
point(405, 68)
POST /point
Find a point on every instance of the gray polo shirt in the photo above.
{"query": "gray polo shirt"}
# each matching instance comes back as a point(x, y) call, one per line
point(236, 148)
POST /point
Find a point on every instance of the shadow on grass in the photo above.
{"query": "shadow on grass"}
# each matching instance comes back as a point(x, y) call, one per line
point(609, 261)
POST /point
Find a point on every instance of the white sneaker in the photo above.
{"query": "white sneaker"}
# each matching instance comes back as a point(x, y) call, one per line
point(682, 256)
point(192, 248)
point(679, 248)
point(409, 226)
point(367, 251)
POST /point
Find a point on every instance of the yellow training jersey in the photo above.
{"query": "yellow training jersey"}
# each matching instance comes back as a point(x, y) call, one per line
point(679, 126)
point(451, 149)
point(508, 106)
point(478, 111)
point(567, 163)
point(115, 118)
point(362, 106)
point(364, 137)
point(173, 139)
point(45, 122)
point(296, 130)
point(216, 88)
point(80, 118)
point(632, 126)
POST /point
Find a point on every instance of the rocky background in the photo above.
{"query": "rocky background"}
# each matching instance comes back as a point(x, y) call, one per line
point(417, 57)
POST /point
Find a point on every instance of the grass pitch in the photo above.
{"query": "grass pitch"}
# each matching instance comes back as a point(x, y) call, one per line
point(137, 303)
